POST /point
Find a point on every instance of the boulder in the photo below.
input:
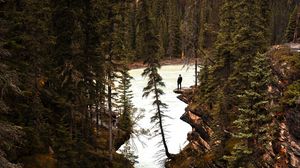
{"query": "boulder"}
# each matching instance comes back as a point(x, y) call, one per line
point(197, 123)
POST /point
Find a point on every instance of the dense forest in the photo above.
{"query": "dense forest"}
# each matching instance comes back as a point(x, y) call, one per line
point(65, 98)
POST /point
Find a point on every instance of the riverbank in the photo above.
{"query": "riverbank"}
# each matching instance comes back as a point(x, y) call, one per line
point(173, 61)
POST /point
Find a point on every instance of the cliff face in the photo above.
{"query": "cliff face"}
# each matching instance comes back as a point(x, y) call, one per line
point(285, 61)
point(285, 148)
point(199, 138)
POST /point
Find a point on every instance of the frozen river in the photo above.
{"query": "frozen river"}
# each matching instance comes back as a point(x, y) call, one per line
point(177, 129)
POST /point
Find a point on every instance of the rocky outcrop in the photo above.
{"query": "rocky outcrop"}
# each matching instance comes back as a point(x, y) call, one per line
point(194, 117)
point(285, 65)
point(289, 152)
point(10, 141)
point(200, 136)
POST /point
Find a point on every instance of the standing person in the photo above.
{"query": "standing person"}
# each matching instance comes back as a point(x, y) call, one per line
point(179, 80)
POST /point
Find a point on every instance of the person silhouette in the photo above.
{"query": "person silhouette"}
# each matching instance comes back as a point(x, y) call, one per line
point(179, 80)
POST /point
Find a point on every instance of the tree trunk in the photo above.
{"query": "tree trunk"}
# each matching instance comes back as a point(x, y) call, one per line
point(160, 123)
point(110, 117)
point(196, 72)
point(295, 39)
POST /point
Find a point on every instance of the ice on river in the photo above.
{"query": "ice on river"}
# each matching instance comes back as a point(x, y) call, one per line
point(177, 129)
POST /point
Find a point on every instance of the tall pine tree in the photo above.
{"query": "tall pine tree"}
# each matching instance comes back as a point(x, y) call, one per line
point(151, 59)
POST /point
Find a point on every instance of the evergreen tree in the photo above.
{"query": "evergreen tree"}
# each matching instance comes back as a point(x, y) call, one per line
point(91, 63)
point(241, 37)
point(8, 83)
point(191, 47)
point(123, 50)
point(26, 34)
point(159, 11)
point(133, 25)
point(64, 79)
point(214, 89)
point(151, 59)
point(60, 61)
point(191, 30)
point(174, 46)
point(224, 45)
point(248, 96)
point(125, 104)
point(290, 30)
point(248, 40)
point(212, 78)
point(265, 19)
point(254, 119)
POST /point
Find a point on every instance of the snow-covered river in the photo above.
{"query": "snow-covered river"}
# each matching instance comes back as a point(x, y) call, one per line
point(177, 129)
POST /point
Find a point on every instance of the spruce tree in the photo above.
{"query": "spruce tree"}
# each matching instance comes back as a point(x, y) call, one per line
point(133, 25)
point(191, 40)
point(151, 59)
point(26, 33)
point(125, 104)
point(241, 38)
point(265, 19)
point(248, 96)
point(63, 78)
point(214, 75)
point(248, 40)
point(122, 50)
point(214, 87)
point(290, 30)
point(174, 45)
point(254, 118)
point(191, 30)
point(224, 45)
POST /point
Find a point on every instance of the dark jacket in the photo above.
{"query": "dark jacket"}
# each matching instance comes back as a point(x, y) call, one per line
point(179, 80)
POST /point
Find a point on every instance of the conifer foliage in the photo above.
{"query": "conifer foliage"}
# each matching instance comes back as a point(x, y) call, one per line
point(290, 31)
point(249, 95)
point(254, 118)
point(151, 59)
point(60, 51)
point(64, 76)
point(243, 100)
